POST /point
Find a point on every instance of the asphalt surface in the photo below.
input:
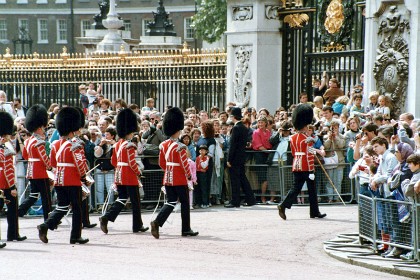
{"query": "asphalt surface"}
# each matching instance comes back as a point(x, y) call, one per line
point(239, 243)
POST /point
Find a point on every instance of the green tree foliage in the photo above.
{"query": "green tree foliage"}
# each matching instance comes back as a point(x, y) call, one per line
point(210, 20)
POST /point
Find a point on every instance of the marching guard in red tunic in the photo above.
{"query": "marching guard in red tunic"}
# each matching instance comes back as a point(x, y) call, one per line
point(38, 162)
point(127, 173)
point(303, 163)
point(70, 171)
point(7, 178)
point(173, 160)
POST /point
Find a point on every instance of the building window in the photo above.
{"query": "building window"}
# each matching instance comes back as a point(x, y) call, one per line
point(127, 25)
point(85, 25)
point(3, 30)
point(62, 31)
point(22, 2)
point(23, 25)
point(188, 29)
point(2, 1)
point(42, 31)
point(60, 1)
point(42, 1)
point(145, 28)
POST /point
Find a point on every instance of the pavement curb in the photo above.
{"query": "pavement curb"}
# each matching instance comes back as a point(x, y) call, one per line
point(346, 248)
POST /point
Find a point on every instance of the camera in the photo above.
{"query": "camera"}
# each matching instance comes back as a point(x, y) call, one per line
point(249, 110)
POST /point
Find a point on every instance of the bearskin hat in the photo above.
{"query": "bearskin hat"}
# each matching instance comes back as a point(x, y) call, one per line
point(67, 120)
point(126, 122)
point(6, 127)
point(173, 121)
point(82, 117)
point(302, 116)
point(36, 117)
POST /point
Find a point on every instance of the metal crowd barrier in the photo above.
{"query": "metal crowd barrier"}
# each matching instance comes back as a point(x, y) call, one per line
point(279, 176)
point(378, 214)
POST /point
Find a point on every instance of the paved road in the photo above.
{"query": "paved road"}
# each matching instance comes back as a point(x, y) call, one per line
point(245, 243)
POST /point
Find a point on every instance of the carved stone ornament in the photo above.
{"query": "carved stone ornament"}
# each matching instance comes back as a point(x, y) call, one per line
point(272, 12)
point(391, 65)
point(242, 82)
point(242, 13)
point(335, 17)
point(296, 20)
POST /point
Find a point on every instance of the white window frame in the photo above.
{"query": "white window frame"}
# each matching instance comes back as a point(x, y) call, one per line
point(59, 39)
point(3, 2)
point(42, 1)
point(82, 27)
point(41, 29)
point(22, 2)
point(144, 26)
point(60, 1)
point(20, 24)
point(127, 23)
point(188, 28)
point(3, 31)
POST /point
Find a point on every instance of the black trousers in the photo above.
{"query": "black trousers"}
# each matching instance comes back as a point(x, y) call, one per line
point(202, 190)
point(12, 214)
point(65, 196)
point(173, 194)
point(123, 193)
point(299, 180)
point(239, 180)
point(38, 186)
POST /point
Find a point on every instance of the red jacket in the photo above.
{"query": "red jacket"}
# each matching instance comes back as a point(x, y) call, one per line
point(127, 171)
point(174, 162)
point(69, 163)
point(38, 161)
point(302, 160)
point(7, 170)
point(198, 162)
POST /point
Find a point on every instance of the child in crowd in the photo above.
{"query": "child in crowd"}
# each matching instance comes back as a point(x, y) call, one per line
point(384, 107)
point(318, 102)
point(373, 104)
point(357, 109)
point(202, 163)
point(340, 105)
point(193, 170)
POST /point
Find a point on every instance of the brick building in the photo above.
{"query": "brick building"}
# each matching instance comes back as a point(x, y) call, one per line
point(53, 24)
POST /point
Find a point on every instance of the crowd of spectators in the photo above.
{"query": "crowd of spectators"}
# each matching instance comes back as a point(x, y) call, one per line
point(375, 142)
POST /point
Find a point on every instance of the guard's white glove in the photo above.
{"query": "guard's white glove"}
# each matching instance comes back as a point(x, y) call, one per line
point(163, 189)
point(190, 185)
point(312, 176)
point(312, 150)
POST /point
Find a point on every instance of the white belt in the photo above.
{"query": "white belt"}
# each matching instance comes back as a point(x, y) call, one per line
point(300, 154)
point(33, 159)
point(172, 164)
point(122, 164)
point(63, 164)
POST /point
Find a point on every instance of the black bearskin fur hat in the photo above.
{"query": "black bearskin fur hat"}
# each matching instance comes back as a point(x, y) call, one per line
point(126, 122)
point(36, 117)
point(6, 127)
point(173, 121)
point(302, 116)
point(67, 120)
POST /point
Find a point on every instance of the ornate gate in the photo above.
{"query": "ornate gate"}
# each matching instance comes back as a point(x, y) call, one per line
point(320, 35)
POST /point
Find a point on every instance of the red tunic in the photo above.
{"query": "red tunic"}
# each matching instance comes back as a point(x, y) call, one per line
point(302, 160)
point(69, 162)
point(198, 162)
point(38, 161)
point(174, 162)
point(127, 171)
point(7, 170)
